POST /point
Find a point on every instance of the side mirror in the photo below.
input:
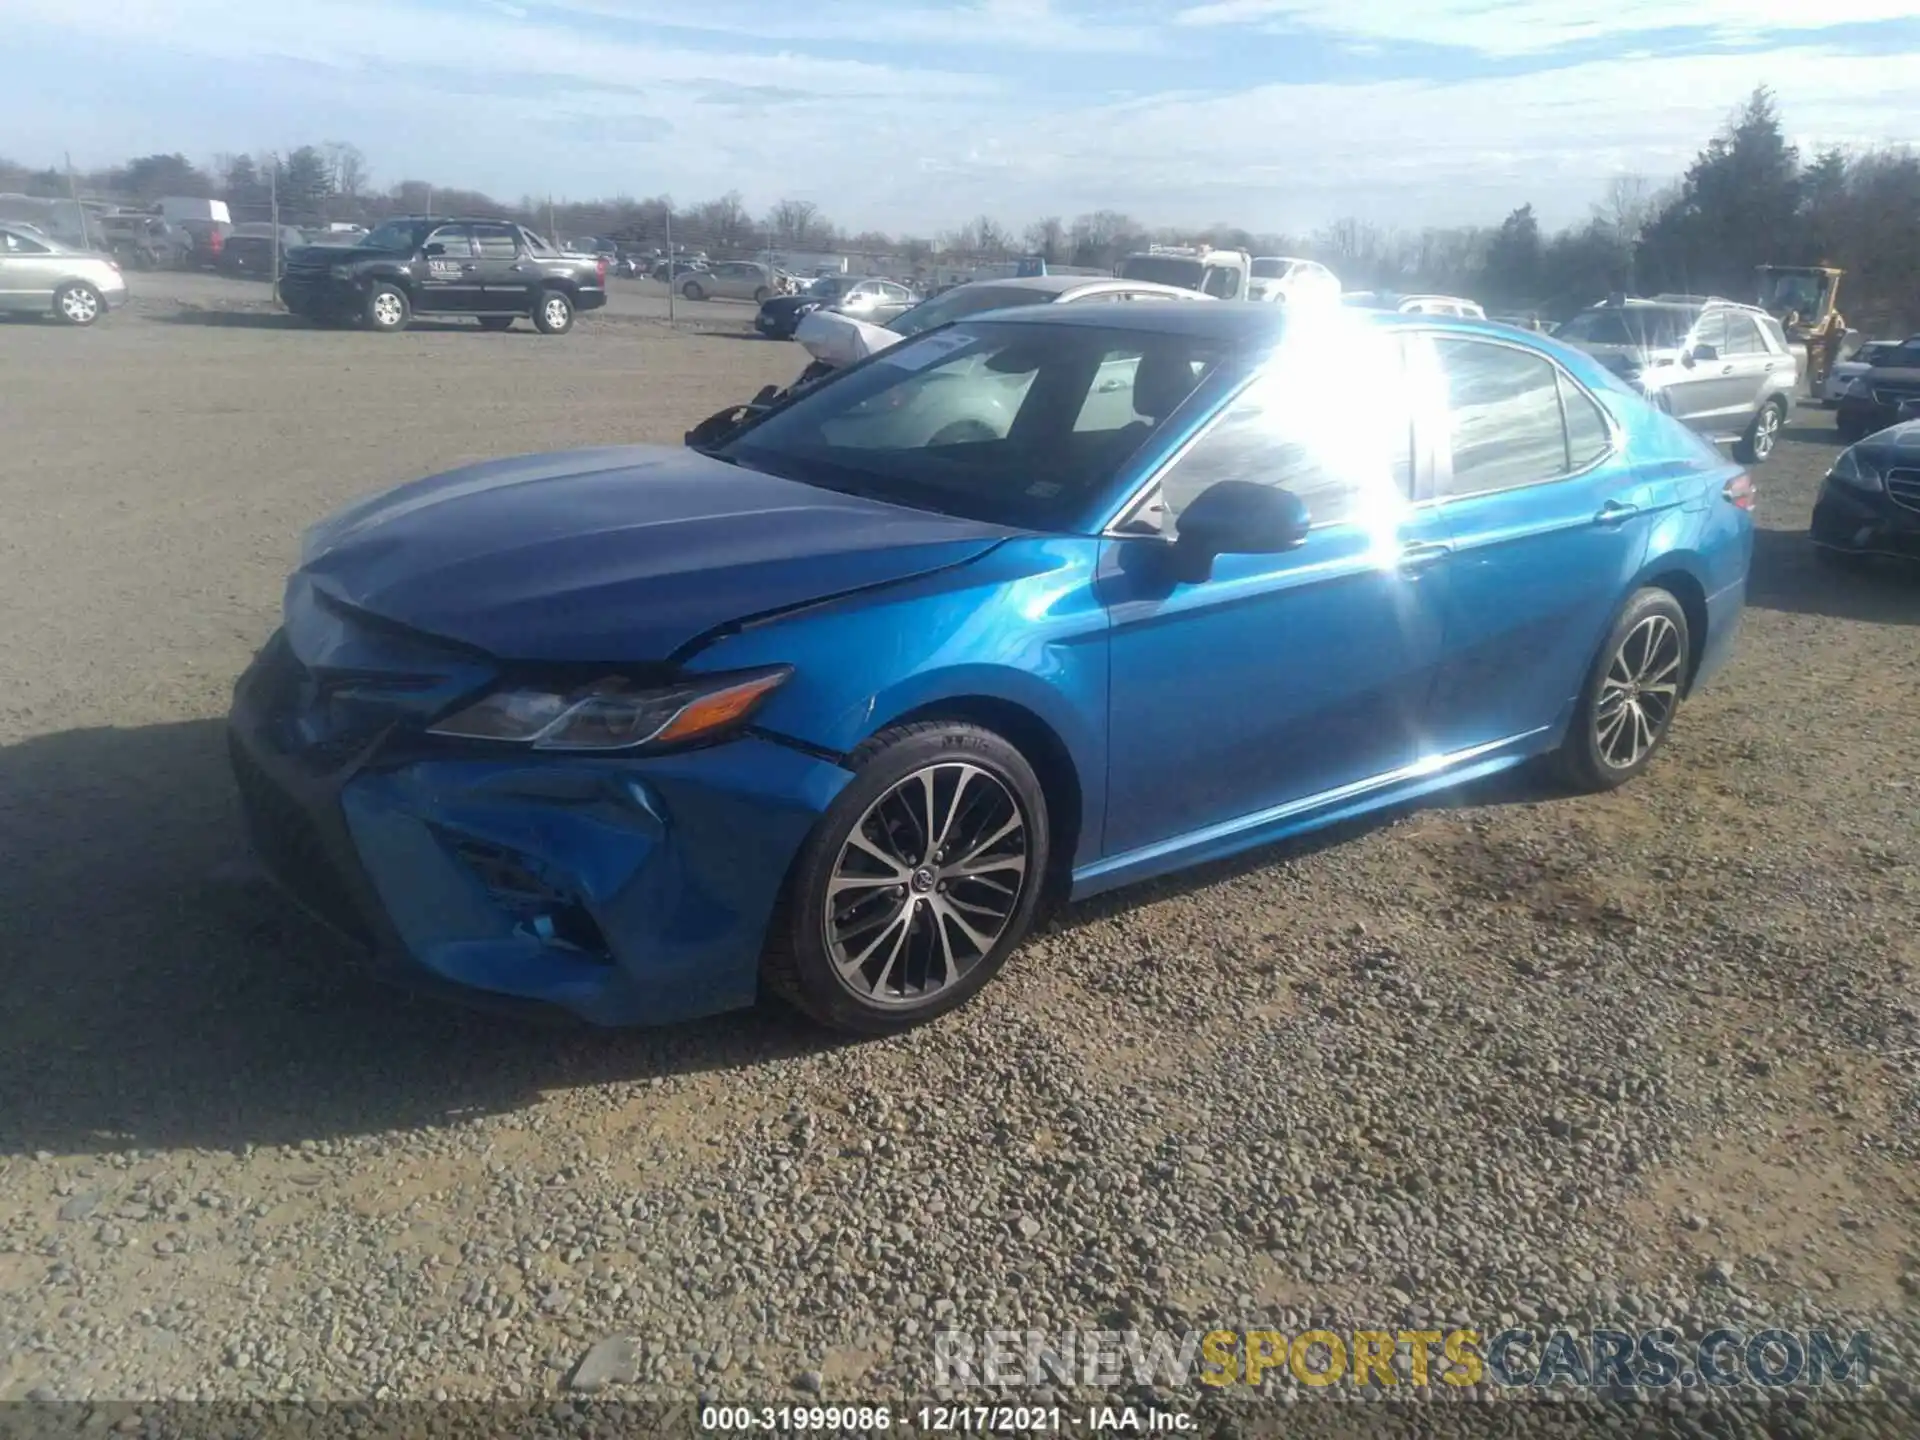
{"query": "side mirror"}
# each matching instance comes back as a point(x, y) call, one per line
point(1705, 352)
point(1238, 517)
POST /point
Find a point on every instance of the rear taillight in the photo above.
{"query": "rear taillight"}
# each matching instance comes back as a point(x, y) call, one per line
point(1739, 491)
point(215, 240)
point(603, 268)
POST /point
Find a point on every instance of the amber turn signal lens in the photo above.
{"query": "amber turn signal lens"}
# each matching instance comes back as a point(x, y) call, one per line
point(718, 710)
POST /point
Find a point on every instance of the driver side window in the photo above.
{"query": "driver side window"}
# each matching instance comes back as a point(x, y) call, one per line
point(1279, 431)
point(453, 239)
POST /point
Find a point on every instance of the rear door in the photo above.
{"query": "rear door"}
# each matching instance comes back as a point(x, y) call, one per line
point(1753, 363)
point(26, 273)
point(506, 279)
point(1548, 525)
point(446, 277)
point(1697, 390)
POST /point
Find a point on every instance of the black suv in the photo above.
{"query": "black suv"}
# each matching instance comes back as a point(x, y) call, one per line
point(493, 270)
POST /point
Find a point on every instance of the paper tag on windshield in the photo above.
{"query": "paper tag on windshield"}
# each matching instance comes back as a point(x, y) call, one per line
point(929, 350)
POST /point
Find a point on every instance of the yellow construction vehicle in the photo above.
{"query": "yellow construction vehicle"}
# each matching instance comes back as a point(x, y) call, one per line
point(1804, 299)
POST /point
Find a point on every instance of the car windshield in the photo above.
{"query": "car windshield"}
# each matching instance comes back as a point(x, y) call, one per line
point(1642, 328)
point(961, 302)
point(829, 287)
point(1014, 424)
point(1783, 292)
point(1271, 269)
point(1904, 356)
point(1164, 270)
point(394, 235)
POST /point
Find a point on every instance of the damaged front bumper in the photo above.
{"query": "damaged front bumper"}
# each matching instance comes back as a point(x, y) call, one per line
point(623, 890)
point(1866, 523)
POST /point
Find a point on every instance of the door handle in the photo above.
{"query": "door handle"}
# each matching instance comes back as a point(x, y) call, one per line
point(1416, 558)
point(1726, 369)
point(1615, 512)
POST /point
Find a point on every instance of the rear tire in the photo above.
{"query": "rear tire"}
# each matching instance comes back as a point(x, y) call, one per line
point(693, 291)
point(388, 311)
point(761, 295)
point(496, 322)
point(855, 950)
point(1763, 433)
point(553, 313)
point(78, 303)
point(1631, 695)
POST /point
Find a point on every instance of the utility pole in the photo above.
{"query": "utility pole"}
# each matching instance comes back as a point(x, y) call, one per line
point(671, 277)
point(273, 204)
point(553, 230)
point(429, 202)
point(73, 194)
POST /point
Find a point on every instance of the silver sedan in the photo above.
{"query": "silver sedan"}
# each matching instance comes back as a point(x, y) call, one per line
point(40, 276)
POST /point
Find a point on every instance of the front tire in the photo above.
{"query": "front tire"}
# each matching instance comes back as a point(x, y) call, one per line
point(1632, 692)
point(762, 295)
point(916, 885)
point(388, 312)
point(693, 291)
point(78, 304)
point(553, 313)
point(1763, 432)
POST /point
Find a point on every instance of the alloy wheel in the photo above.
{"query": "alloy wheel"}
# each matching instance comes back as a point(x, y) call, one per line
point(557, 313)
point(1639, 693)
point(387, 311)
point(1766, 429)
point(926, 884)
point(80, 306)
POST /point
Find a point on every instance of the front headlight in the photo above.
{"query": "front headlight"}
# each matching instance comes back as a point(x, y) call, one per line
point(1860, 474)
point(1858, 388)
point(607, 715)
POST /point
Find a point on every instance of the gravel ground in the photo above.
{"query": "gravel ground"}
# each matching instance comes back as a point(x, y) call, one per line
point(1515, 1058)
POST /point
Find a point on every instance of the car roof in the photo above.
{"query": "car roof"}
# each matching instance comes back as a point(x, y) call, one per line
point(1229, 320)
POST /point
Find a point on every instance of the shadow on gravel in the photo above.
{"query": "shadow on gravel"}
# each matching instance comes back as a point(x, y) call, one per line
point(1524, 785)
point(152, 1004)
point(1788, 575)
point(1821, 436)
point(275, 320)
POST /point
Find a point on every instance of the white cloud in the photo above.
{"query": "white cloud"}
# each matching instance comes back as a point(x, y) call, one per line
point(1522, 27)
point(920, 143)
point(988, 24)
point(1427, 152)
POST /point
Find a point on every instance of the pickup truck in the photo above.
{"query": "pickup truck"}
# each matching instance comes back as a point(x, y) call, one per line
point(492, 270)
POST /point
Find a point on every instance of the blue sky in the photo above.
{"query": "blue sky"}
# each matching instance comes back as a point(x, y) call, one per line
point(915, 115)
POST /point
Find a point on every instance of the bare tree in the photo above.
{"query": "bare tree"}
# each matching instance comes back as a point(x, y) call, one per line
point(349, 168)
point(990, 238)
point(1048, 239)
point(1627, 206)
point(794, 223)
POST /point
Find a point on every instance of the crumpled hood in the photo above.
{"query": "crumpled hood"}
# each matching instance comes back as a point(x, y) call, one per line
point(624, 554)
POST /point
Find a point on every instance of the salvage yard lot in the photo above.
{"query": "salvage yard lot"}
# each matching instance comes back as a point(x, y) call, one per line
point(1645, 1057)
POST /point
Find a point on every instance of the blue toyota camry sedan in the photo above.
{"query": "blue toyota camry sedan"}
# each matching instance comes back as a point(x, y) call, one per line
point(1018, 610)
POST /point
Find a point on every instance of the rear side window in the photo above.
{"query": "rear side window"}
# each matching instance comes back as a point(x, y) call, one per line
point(1743, 337)
point(496, 242)
point(1504, 418)
point(1588, 438)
